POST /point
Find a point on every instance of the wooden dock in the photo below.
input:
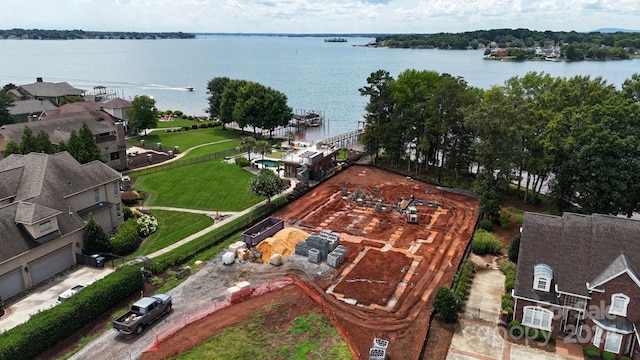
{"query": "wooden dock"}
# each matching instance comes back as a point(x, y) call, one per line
point(352, 137)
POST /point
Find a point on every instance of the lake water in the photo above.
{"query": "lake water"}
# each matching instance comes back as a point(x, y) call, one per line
point(314, 75)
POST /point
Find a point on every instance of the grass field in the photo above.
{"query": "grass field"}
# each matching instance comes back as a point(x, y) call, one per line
point(211, 185)
point(176, 123)
point(185, 139)
point(213, 148)
point(173, 226)
point(307, 337)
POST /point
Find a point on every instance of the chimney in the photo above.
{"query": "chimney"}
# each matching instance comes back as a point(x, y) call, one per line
point(38, 79)
point(120, 134)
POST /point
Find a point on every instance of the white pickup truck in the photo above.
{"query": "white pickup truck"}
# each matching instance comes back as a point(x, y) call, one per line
point(142, 313)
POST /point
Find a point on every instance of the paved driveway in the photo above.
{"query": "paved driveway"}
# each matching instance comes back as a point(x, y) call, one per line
point(477, 335)
point(45, 296)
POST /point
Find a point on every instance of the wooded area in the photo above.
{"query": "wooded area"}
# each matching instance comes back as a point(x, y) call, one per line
point(578, 136)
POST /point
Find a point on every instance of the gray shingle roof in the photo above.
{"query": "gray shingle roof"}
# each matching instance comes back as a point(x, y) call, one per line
point(30, 107)
point(59, 127)
point(46, 182)
point(579, 249)
point(29, 214)
point(49, 89)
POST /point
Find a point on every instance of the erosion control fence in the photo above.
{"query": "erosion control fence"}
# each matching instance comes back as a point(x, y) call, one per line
point(188, 319)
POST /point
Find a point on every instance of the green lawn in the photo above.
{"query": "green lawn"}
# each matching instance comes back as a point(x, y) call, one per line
point(173, 226)
point(213, 148)
point(184, 139)
point(311, 336)
point(210, 185)
point(176, 123)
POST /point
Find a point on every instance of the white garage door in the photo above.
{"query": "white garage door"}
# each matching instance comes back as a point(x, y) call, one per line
point(11, 283)
point(50, 265)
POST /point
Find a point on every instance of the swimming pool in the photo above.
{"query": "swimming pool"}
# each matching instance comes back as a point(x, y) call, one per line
point(267, 163)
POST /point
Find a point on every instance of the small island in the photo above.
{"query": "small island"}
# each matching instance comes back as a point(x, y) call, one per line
point(335, 40)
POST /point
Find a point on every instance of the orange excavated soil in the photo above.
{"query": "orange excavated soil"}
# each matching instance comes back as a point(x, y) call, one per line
point(393, 268)
point(283, 242)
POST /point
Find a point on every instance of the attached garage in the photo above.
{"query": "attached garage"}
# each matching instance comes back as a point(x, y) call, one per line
point(11, 283)
point(50, 265)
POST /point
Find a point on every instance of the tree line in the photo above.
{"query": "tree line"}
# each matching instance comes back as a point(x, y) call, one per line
point(42, 34)
point(579, 46)
point(247, 103)
point(579, 136)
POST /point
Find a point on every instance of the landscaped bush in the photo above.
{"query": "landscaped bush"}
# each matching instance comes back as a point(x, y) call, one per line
point(129, 198)
point(445, 304)
point(509, 270)
point(126, 240)
point(242, 162)
point(537, 334)
point(608, 355)
point(592, 352)
point(48, 327)
point(485, 243)
point(507, 302)
point(514, 248)
point(127, 212)
point(515, 328)
point(505, 219)
point(462, 279)
point(147, 225)
point(486, 224)
point(625, 358)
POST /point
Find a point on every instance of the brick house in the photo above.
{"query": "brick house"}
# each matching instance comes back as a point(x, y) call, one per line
point(44, 203)
point(577, 278)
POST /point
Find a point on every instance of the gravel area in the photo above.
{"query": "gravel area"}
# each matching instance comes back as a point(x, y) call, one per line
point(199, 291)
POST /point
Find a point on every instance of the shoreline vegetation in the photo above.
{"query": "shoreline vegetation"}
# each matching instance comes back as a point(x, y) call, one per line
point(524, 44)
point(41, 34)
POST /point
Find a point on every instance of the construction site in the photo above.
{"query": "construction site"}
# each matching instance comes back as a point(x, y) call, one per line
point(387, 243)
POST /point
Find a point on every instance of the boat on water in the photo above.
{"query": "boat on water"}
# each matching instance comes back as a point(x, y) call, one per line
point(188, 88)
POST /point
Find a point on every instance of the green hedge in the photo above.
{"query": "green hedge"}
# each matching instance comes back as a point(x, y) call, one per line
point(126, 240)
point(484, 242)
point(50, 326)
point(462, 279)
point(608, 355)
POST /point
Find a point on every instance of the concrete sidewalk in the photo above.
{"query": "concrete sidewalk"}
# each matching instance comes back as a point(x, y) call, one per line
point(478, 336)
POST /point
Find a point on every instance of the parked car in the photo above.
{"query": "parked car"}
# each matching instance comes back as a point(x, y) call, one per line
point(70, 292)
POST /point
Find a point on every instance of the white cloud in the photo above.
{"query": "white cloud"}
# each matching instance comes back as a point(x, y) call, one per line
point(318, 16)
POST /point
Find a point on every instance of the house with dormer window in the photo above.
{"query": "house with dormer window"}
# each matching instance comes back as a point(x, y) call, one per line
point(44, 203)
point(577, 278)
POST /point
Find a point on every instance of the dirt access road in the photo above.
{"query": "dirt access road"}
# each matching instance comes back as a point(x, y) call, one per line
point(383, 289)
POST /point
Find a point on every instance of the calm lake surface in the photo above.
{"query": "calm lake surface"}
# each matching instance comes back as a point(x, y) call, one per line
point(314, 75)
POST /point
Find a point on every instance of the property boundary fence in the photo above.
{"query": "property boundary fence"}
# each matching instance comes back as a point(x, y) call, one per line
point(180, 163)
point(478, 314)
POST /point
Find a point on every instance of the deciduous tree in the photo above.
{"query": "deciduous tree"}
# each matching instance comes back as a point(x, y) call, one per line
point(6, 102)
point(143, 113)
point(268, 184)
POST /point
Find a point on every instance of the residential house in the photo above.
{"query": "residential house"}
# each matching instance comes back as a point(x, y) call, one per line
point(44, 203)
point(42, 90)
point(29, 110)
point(59, 122)
point(577, 278)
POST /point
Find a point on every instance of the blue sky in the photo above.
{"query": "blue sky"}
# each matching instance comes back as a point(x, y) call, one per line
point(319, 16)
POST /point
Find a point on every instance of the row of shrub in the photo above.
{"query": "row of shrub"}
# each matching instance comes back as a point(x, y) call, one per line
point(507, 301)
point(462, 279)
point(593, 353)
point(50, 326)
point(484, 242)
point(518, 330)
